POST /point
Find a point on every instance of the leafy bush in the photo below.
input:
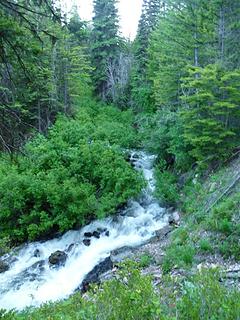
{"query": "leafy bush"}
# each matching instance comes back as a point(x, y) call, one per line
point(162, 134)
point(166, 187)
point(205, 298)
point(68, 178)
point(224, 219)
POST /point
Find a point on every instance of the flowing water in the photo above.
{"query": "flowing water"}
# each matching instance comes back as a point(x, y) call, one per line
point(30, 281)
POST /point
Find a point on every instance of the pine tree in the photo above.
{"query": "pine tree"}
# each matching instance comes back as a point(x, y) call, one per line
point(184, 36)
point(147, 23)
point(44, 70)
point(105, 43)
point(211, 114)
point(141, 87)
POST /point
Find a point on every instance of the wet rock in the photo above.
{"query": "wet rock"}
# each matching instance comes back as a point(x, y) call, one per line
point(120, 250)
point(127, 157)
point(119, 255)
point(37, 253)
point(162, 233)
point(87, 242)
point(174, 218)
point(70, 247)
point(94, 275)
point(58, 258)
point(135, 156)
point(88, 234)
point(4, 266)
point(107, 233)
point(39, 265)
point(96, 234)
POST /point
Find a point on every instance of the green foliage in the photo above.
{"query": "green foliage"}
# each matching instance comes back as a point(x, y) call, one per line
point(221, 222)
point(205, 298)
point(205, 96)
point(166, 187)
point(178, 256)
point(205, 245)
point(105, 43)
point(44, 70)
point(74, 175)
point(212, 112)
point(224, 219)
point(145, 260)
point(4, 245)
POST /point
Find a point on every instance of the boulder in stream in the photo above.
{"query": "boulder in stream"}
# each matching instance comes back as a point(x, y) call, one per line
point(96, 234)
point(174, 218)
point(37, 253)
point(87, 242)
point(88, 234)
point(57, 258)
point(4, 266)
point(93, 276)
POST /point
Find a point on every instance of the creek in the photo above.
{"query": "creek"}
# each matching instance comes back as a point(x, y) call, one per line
point(31, 280)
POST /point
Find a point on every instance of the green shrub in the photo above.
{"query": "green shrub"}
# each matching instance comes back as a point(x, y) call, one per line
point(166, 187)
point(145, 260)
point(179, 256)
point(205, 245)
point(205, 298)
point(224, 219)
point(68, 178)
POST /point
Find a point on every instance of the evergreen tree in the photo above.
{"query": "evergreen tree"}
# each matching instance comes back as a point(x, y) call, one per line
point(105, 43)
point(141, 87)
point(211, 112)
point(147, 23)
point(39, 60)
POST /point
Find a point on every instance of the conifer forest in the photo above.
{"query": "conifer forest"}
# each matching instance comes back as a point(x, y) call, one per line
point(120, 161)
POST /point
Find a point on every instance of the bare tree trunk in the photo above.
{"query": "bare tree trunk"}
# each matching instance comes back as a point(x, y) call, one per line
point(118, 76)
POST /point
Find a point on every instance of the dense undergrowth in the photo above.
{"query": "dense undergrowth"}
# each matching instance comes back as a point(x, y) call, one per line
point(73, 175)
point(132, 296)
point(208, 226)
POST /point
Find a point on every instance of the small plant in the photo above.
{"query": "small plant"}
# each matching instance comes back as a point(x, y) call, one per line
point(145, 260)
point(4, 245)
point(205, 245)
point(179, 256)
